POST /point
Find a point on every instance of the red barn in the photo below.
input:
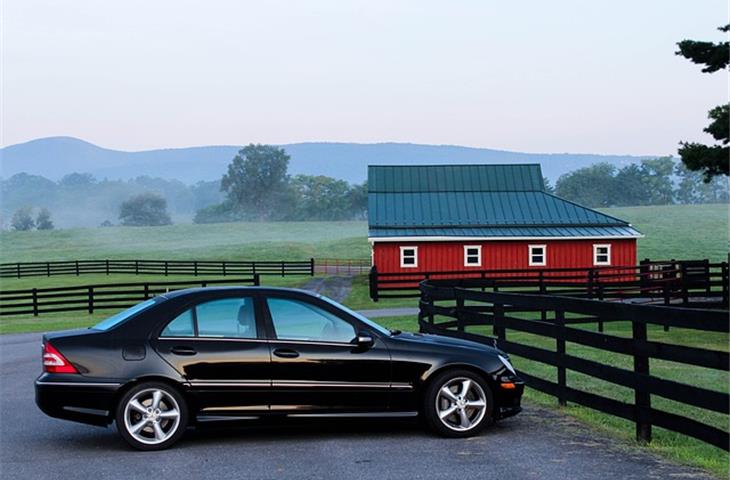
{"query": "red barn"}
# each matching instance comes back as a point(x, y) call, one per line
point(482, 217)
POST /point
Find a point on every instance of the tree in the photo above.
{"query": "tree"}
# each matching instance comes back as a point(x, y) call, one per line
point(591, 186)
point(712, 160)
point(22, 220)
point(656, 176)
point(77, 180)
point(43, 220)
point(146, 209)
point(256, 181)
point(320, 198)
point(548, 186)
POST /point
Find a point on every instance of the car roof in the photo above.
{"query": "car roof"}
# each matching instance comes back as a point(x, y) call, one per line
point(240, 289)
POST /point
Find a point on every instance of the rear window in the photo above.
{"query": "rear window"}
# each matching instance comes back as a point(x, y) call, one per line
point(120, 317)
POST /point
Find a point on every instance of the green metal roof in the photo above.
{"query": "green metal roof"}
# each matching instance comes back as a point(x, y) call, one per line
point(477, 201)
point(454, 178)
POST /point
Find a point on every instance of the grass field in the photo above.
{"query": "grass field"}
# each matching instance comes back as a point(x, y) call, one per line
point(678, 447)
point(676, 231)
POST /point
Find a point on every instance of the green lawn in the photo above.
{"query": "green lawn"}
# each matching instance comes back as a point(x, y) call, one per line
point(675, 231)
point(673, 445)
point(224, 241)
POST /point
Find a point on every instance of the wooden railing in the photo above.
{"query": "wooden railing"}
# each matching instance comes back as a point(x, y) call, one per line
point(508, 313)
point(90, 298)
point(156, 267)
point(347, 266)
point(691, 282)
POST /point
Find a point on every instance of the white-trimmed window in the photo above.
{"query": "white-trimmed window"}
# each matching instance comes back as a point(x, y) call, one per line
point(408, 257)
point(601, 254)
point(538, 255)
point(472, 255)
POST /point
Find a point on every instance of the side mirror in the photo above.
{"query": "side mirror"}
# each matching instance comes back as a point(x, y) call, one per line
point(364, 340)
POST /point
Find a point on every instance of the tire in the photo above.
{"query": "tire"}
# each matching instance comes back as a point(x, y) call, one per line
point(145, 427)
point(465, 415)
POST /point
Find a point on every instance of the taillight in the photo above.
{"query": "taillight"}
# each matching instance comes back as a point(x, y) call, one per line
point(54, 362)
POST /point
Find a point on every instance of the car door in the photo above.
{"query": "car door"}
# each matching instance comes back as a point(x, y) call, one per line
point(219, 346)
point(316, 364)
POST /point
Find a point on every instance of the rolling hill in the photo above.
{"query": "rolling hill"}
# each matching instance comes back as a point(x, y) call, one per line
point(54, 157)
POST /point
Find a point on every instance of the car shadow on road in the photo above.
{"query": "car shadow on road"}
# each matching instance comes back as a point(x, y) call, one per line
point(266, 430)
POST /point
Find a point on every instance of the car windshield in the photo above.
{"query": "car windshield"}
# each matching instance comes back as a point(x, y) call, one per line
point(360, 317)
point(120, 317)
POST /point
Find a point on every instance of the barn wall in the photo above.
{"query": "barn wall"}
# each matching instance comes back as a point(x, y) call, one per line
point(500, 254)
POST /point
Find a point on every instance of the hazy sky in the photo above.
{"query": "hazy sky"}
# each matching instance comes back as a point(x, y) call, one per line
point(536, 76)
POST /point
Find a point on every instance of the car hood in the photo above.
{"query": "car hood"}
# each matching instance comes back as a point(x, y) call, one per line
point(441, 340)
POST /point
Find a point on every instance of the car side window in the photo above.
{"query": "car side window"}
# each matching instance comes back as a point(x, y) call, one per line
point(180, 326)
point(228, 317)
point(295, 320)
point(224, 318)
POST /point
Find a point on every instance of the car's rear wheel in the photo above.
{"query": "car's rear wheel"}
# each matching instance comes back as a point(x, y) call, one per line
point(457, 403)
point(151, 416)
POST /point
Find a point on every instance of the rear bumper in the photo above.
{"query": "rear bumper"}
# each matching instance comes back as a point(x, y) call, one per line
point(79, 400)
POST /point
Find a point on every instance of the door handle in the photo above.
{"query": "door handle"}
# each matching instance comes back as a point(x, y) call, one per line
point(286, 353)
point(183, 351)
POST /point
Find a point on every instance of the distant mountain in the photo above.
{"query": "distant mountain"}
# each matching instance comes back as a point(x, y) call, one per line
point(54, 157)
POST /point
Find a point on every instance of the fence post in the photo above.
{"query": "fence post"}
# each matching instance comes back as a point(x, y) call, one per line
point(498, 327)
point(195, 268)
point(590, 283)
point(48, 268)
point(683, 273)
point(373, 283)
point(91, 300)
point(282, 268)
point(106, 262)
point(146, 291)
point(560, 350)
point(543, 312)
point(642, 398)
point(35, 302)
point(725, 278)
point(136, 267)
point(166, 267)
point(223, 263)
point(256, 279)
point(77, 268)
point(459, 311)
point(311, 267)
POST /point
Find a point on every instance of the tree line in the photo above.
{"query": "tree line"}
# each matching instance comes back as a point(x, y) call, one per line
point(258, 187)
point(658, 181)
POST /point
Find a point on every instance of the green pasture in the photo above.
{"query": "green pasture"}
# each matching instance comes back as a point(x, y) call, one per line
point(674, 231)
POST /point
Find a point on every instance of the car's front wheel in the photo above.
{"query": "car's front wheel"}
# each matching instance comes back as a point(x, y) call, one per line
point(457, 403)
point(151, 416)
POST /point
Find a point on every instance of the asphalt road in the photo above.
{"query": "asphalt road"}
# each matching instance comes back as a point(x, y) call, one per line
point(539, 443)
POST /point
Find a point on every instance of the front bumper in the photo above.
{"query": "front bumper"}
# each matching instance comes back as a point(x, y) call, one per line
point(75, 399)
point(508, 400)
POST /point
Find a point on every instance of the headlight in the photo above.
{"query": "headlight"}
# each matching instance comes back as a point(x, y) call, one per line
point(507, 364)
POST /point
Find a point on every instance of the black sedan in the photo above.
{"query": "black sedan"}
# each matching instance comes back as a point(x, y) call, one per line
point(237, 352)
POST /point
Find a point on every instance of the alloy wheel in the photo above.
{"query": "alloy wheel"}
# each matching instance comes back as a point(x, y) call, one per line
point(151, 416)
point(461, 404)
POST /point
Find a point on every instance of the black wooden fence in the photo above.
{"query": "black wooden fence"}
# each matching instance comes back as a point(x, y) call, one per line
point(90, 298)
point(514, 312)
point(156, 267)
point(691, 282)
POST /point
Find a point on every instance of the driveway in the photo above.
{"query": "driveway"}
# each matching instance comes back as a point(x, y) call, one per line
point(539, 443)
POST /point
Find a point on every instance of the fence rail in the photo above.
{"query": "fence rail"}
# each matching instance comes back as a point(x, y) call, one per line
point(348, 266)
point(156, 267)
point(513, 312)
point(691, 282)
point(90, 298)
